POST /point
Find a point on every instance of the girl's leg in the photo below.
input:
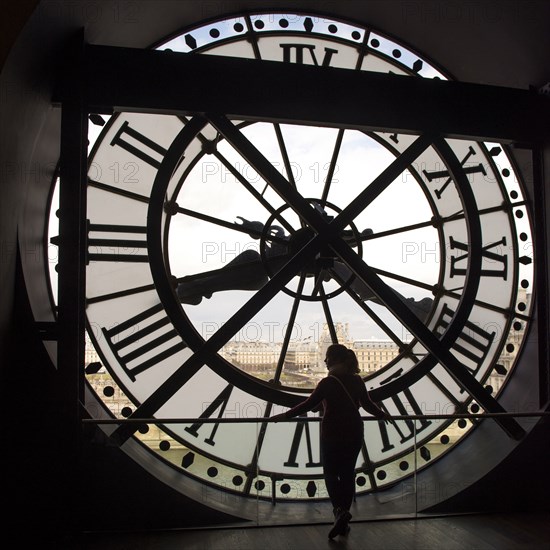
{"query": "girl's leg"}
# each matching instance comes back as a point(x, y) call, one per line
point(339, 472)
point(331, 473)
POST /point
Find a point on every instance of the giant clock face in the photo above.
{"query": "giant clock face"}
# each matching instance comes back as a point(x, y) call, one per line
point(224, 256)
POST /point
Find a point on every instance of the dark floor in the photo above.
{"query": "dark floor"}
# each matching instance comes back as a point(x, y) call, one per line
point(468, 532)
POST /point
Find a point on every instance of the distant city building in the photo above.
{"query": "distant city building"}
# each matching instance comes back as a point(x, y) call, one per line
point(302, 356)
point(372, 355)
point(255, 356)
point(304, 364)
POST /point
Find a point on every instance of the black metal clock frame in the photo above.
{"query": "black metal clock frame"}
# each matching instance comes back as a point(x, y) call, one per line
point(100, 79)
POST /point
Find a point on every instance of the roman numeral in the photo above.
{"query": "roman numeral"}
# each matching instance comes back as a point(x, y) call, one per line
point(219, 404)
point(119, 294)
point(473, 344)
point(437, 174)
point(148, 334)
point(139, 145)
point(501, 270)
point(109, 248)
point(302, 428)
point(405, 403)
point(296, 53)
point(118, 191)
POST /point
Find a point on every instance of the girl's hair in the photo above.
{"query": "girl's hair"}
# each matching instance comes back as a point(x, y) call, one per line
point(338, 353)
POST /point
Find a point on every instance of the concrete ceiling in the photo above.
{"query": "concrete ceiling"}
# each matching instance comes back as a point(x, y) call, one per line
point(502, 42)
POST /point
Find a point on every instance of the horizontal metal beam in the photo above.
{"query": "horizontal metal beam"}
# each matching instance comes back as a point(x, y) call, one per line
point(167, 82)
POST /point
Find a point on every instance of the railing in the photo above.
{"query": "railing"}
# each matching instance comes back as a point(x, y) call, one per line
point(222, 420)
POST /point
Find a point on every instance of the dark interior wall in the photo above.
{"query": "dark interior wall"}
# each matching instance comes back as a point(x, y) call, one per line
point(50, 488)
point(29, 147)
point(14, 16)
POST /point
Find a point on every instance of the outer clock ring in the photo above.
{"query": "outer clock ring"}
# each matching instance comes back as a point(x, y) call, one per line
point(240, 375)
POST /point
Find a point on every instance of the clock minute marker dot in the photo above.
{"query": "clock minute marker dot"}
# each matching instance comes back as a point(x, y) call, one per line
point(164, 445)
point(190, 41)
point(501, 369)
point(96, 119)
point(311, 489)
point(237, 481)
point(187, 460)
point(212, 471)
point(361, 481)
point(93, 368)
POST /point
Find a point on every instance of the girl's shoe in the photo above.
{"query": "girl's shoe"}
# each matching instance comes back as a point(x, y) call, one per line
point(340, 526)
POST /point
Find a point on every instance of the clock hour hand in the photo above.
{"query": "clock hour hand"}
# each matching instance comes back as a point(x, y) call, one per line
point(246, 272)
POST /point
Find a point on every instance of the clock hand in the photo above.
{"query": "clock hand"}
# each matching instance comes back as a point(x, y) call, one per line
point(421, 308)
point(246, 272)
